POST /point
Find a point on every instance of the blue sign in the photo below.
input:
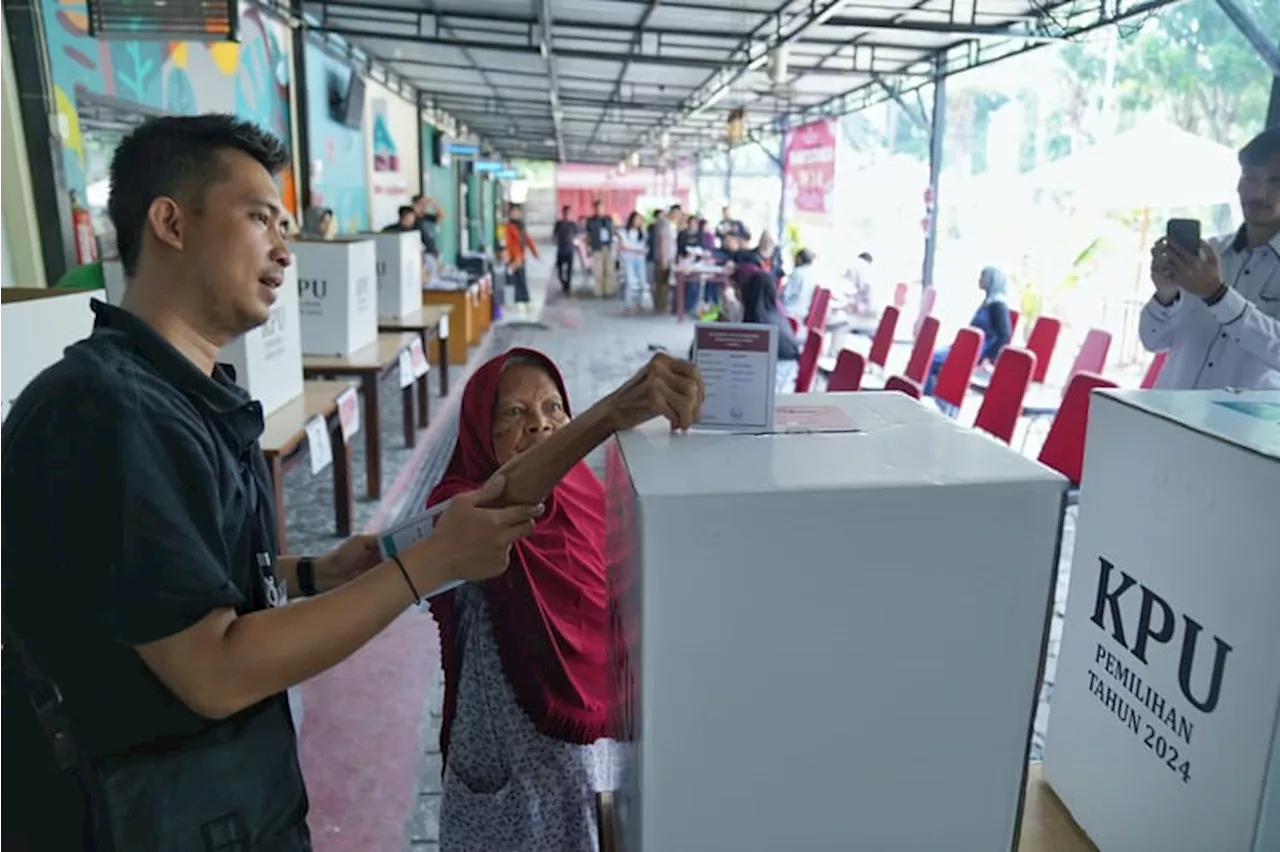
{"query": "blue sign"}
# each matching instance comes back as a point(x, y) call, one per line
point(507, 174)
point(488, 166)
point(462, 150)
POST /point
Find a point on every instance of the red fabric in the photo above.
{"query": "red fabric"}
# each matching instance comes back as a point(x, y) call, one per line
point(550, 609)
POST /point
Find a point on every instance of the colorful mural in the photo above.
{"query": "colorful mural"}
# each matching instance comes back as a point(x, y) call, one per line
point(340, 182)
point(249, 79)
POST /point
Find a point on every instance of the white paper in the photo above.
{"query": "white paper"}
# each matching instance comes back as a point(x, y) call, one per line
point(604, 236)
point(444, 327)
point(404, 535)
point(320, 448)
point(738, 362)
point(406, 369)
point(419, 358)
point(349, 414)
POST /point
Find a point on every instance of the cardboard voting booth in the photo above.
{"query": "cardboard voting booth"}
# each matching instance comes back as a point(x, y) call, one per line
point(338, 295)
point(399, 273)
point(36, 325)
point(267, 359)
point(804, 620)
point(1162, 725)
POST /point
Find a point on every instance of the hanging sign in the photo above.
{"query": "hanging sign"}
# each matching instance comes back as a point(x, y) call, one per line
point(809, 171)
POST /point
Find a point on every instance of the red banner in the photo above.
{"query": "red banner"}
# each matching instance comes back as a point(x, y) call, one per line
point(809, 169)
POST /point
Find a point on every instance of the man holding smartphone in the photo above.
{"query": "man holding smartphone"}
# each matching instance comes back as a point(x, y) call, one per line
point(1216, 307)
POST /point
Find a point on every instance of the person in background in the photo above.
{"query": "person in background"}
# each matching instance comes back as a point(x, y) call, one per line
point(734, 249)
point(861, 294)
point(145, 489)
point(664, 257)
point(797, 293)
point(600, 231)
point(565, 234)
point(407, 221)
point(652, 238)
point(730, 226)
point(319, 223)
point(759, 294)
point(992, 319)
point(771, 254)
point(429, 214)
point(1218, 312)
point(688, 238)
point(632, 248)
point(708, 239)
point(529, 702)
point(517, 241)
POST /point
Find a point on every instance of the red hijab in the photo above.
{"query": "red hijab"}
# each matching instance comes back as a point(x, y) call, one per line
point(549, 611)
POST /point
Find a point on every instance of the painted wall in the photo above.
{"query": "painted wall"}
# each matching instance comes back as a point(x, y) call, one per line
point(249, 78)
point(440, 183)
point(339, 176)
point(391, 137)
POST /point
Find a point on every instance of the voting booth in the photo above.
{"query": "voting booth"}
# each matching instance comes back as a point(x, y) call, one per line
point(830, 636)
point(1162, 726)
point(337, 295)
point(399, 273)
point(36, 325)
point(267, 359)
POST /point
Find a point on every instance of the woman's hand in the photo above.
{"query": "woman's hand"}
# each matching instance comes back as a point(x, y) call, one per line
point(666, 387)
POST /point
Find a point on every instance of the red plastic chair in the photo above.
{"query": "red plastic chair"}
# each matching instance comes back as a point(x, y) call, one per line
point(1063, 448)
point(882, 343)
point(900, 295)
point(808, 361)
point(1152, 375)
point(953, 378)
point(795, 325)
point(904, 385)
point(847, 376)
point(1014, 316)
point(1041, 343)
point(922, 350)
point(927, 298)
point(1002, 403)
point(1092, 357)
point(817, 318)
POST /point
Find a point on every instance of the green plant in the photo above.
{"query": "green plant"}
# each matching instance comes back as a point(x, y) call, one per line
point(1036, 296)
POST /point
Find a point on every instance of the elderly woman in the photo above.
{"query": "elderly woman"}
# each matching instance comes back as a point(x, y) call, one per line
point(992, 318)
point(527, 693)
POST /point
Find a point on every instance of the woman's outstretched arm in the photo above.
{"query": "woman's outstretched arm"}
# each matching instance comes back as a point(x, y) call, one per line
point(665, 387)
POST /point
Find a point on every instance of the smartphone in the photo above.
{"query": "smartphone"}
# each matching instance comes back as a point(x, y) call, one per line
point(1184, 233)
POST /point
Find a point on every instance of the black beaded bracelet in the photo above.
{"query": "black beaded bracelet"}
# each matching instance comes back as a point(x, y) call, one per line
point(417, 598)
point(1217, 295)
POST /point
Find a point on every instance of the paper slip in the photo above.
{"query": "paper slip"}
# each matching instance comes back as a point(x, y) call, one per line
point(444, 327)
point(319, 447)
point(419, 358)
point(349, 414)
point(404, 535)
point(406, 369)
point(811, 418)
point(738, 362)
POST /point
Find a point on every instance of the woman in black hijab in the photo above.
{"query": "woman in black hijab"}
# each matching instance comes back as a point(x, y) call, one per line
point(760, 305)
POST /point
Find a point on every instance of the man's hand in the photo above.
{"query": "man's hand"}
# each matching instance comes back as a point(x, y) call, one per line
point(1162, 274)
point(666, 387)
point(1198, 274)
point(471, 540)
point(349, 560)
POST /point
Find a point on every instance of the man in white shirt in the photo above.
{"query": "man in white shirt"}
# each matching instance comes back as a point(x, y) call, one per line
point(1218, 313)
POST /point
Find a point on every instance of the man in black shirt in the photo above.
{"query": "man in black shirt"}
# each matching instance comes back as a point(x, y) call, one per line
point(406, 220)
point(140, 566)
point(566, 235)
point(429, 214)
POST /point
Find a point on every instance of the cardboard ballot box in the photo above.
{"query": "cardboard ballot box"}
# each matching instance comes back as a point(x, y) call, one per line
point(399, 272)
point(1162, 725)
point(36, 325)
point(802, 622)
point(338, 295)
point(268, 359)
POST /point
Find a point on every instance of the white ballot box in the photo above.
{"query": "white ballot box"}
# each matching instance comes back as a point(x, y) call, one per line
point(399, 273)
point(36, 325)
point(338, 298)
point(268, 359)
point(1162, 725)
point(829, 639)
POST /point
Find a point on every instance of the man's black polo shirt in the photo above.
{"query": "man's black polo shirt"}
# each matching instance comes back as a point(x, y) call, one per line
point(135, 495)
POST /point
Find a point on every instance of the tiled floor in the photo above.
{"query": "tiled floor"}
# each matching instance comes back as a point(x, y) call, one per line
point(370, 730)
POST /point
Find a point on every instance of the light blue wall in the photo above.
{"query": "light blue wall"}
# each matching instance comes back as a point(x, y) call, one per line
point(342, 183)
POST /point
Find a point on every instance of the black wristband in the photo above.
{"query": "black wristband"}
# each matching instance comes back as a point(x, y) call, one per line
point(417, 598)
point(307, 575)
point(1218, 296)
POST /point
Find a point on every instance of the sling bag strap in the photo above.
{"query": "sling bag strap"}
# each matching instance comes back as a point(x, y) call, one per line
point(45, 699)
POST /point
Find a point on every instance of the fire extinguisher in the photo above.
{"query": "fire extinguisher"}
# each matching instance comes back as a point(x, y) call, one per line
point(82, 224)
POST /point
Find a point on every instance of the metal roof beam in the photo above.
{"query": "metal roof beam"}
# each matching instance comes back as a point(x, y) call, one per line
point(548, 53)
point(1017, 31)
point(636, 38)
